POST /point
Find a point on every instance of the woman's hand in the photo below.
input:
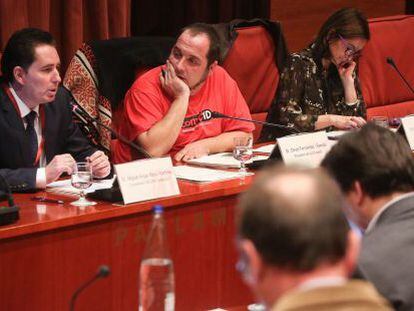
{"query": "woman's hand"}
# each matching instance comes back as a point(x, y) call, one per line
point(339, 122)
point(347, 122)
point(346, 72)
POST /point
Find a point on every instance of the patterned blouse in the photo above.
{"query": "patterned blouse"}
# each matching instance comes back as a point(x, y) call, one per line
point(306, 90)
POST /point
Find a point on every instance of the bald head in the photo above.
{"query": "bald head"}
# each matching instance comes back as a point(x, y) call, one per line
point(294, 218)
point(292, 184)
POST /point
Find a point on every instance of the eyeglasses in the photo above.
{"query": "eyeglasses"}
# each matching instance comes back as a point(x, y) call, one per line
point(350, 50)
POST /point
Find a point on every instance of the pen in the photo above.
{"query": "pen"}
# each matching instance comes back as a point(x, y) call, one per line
point(42, 199)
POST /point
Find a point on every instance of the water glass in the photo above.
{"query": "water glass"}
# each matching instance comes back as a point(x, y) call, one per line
point(82, 179)
point(243, 151)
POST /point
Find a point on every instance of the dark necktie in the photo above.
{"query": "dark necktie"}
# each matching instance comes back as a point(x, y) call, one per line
point(31, 136)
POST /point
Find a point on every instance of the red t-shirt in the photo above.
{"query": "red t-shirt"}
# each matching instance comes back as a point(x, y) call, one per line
point(146, 104)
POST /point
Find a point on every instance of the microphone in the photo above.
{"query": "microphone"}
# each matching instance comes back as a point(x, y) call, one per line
point(391, 62)
point(83, 115)
point(103, 272)
point(208, 114)
point(8, 214)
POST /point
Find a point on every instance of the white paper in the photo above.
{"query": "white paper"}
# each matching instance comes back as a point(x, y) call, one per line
point(408, 124)
point(202, 174)
point(65, 187)
point(222, 160)
point(305, 149)
point(146, 179)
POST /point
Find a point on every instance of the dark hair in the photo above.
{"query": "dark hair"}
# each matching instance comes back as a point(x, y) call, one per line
point(20, 50)
point(376, 157)
point(296, 232)
point(214, 51)
point(347, 22)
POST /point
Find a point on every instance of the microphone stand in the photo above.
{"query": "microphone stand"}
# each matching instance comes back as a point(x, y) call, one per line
point(391, 62)
point(103, 272)
point(8, 214)
point(91, 120)
point(290, 129)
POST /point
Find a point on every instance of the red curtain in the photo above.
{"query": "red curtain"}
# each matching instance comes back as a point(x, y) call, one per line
point(73, 22)
point(70, 21)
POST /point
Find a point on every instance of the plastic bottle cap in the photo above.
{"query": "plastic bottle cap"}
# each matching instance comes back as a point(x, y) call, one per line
point(158, 209)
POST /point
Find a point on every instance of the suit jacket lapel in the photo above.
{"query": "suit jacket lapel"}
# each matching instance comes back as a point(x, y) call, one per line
point(15, 124)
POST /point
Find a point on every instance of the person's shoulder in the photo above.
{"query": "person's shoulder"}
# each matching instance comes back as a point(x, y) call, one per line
point(149, 75)
point(63, 92)
point(302, 57)
point(219, 70)
point(147, 79)
point(60, 106)
point(220, 75)
point(63, 96)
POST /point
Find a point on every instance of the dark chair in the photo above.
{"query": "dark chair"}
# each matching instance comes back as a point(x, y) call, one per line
point(100, 74)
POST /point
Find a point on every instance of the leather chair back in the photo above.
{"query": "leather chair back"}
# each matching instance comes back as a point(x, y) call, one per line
point(251, 62)
point(383, 90)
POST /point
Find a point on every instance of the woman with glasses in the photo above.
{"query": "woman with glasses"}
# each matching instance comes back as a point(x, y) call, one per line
point(319, 88)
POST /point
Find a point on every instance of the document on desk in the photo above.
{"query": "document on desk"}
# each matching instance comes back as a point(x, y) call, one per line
point(222, 160)
point(202, 174)
point(265, 149)
point(65, 187)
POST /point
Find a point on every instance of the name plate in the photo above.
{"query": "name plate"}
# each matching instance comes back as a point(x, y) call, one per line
point(408, 125)
point(304, 149)
point(146, 179)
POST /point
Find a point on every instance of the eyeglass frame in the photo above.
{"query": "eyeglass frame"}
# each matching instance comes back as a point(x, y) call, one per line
point(350, 50)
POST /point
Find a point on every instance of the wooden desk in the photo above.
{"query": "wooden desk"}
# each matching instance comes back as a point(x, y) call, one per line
point(54, 248)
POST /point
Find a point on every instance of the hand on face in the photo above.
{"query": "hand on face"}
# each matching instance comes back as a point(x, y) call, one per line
point(346, 71)
point(62, 163)
point(192, 151)
point(347, 122)
point(100, 164)
point(173, 85)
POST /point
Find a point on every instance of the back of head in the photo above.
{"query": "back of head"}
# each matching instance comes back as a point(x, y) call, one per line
point(376, 157)
point(20, 50)
point(214, 51)
point(294, 218)
point(347, 22)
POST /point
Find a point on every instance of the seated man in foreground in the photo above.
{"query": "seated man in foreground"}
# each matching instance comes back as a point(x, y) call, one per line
point(166, 109)
point(38, 140)
point(375, 169)
point(296, 249)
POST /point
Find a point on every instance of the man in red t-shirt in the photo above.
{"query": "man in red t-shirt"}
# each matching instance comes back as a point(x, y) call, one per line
point(165, 109)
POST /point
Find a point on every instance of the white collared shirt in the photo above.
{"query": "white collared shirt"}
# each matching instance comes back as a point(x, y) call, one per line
point(24, 111)
point(322, 282)
point(374, 219)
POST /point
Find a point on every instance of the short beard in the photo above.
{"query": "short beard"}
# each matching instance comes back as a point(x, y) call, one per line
point(201, 81)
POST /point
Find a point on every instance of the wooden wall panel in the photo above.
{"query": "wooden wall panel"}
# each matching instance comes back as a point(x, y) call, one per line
point(301, 19)
point(54, 248)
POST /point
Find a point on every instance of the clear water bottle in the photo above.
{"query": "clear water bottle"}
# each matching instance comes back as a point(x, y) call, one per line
point(156, 274)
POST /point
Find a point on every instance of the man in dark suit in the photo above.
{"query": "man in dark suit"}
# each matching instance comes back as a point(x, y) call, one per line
point(38, 140)
point(296, 248)
point(375, 169)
